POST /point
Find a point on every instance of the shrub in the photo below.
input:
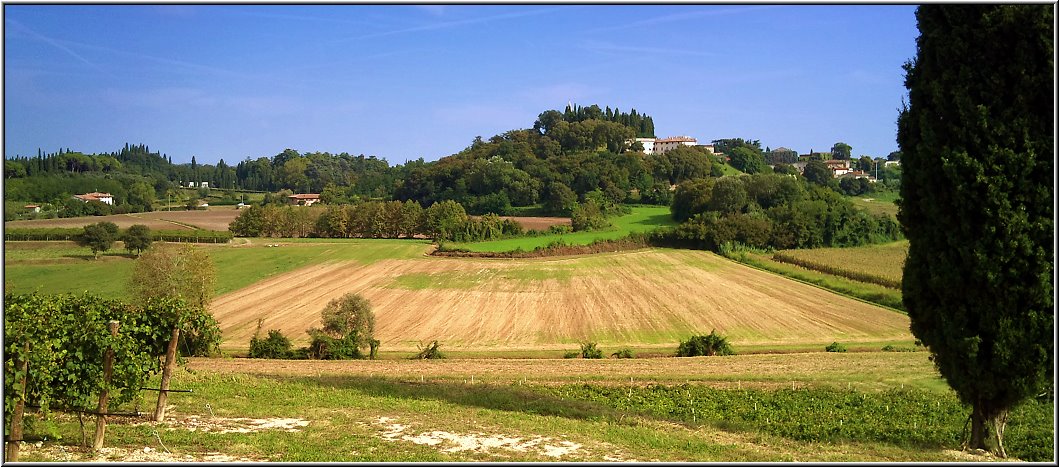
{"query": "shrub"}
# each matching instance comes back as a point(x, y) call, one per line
point(325, 347)
point(835, 347)
point(589, 350)
point(571, 355)
point(712, 344)
point(276, 345)
point(623, 353)
point(429, 352)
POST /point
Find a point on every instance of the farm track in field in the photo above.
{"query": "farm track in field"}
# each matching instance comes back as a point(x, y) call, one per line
point(651, 297)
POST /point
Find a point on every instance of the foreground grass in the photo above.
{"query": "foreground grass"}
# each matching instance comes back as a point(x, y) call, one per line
point(641, 219)
point(62, 267)
point(354, 413)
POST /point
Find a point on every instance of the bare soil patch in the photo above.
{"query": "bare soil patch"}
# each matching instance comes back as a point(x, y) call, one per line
point(214, 219)
point(538, 223)
point(647, 297)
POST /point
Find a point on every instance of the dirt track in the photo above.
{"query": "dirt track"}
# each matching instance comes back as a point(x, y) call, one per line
point(214, 219)
point(648, 297)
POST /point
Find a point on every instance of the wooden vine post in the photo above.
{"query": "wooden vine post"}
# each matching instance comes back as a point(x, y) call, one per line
point(15, 441)
point(104, 396)
point(167, 373)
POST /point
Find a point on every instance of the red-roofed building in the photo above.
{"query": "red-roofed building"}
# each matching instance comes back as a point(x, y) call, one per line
point(306, 199)
point(105, 198)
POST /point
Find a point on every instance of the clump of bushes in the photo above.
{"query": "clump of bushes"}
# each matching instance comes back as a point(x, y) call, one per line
point(276, 345)
point(429, 352)
point(893, 348)
point(835, 347)
point(709, 345)
point(623, 353)
point(589, 350)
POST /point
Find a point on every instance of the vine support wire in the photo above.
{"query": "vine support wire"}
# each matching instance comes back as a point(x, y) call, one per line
point(160, 441)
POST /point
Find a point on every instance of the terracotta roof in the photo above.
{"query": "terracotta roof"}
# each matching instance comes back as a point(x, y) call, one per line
point(305, 196)
point(95, 195)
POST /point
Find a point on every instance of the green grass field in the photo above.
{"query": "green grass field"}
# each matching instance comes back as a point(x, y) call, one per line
point(877, 203)
point(808, 407)
point(62, 267)
point(642, 219)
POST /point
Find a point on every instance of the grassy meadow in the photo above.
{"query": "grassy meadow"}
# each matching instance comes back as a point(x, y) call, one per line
point(882, 407)
point(63, 267)
point(877, 203)
point(642, 218)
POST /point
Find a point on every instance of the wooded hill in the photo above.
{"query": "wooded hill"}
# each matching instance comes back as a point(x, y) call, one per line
point(564, 155)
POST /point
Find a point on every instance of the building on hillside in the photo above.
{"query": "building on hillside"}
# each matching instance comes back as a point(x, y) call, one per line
point(838, 166)
point(306, 199)
point(664, 145)
point(33, 207)
point(648, 144)
point(892, 163)
point(105, 198)
point(204, 184)
point(709, 148)
point(859, 174)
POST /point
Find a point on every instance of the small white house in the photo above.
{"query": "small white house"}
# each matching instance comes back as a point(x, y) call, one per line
point(204, 184)
point(33, 207)
point(191, 184)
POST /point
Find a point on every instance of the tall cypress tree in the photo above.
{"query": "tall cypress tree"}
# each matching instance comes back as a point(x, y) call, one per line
point(978, 159)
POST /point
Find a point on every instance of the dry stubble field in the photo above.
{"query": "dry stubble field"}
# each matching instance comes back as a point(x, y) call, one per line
point(648, 298)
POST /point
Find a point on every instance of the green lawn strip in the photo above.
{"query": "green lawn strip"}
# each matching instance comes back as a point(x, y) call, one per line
point(652, 422)
point(643, 218)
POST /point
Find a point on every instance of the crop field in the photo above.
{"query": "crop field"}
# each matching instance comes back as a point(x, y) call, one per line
point(883, 407)
point(647, 298)
point(880, 264)
point(216, 218)
point(642, 219)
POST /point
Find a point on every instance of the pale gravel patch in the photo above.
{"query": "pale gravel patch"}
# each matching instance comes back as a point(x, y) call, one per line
point(477, 442)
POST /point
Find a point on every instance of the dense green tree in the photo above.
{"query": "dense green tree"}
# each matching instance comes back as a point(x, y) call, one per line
point(817, 172)
point(559, 199)
point(137, 238)
point(841, 151)
point(977, 147)
point(728, 196)
point(98, 237)
point(747, 160)
point(443, 219)
point(691, 197)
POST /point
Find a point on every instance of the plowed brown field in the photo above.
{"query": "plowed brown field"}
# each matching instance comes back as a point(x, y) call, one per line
point(216, 219)
point(650, 297)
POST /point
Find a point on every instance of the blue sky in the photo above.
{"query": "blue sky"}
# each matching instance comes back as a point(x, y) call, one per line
point(402, 82)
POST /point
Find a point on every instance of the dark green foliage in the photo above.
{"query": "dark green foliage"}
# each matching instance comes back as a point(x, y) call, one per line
point(429, 352)
point(728, 196)
point(573, 354)
point(559, 199)
point(98, 237)
point(589, 350)
point(325, 347)
point(691, 197)
point(910, 418)
point(854, 186)
point(68, 336)
point(709, 345)
point(835, 347)
point(841, 151)
point(588, 216)
point(747, 160)
point(201, 334)
point(978, 159)
point(276, 345)
point(818, 173)
point(137, 238)
point(623, 353)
